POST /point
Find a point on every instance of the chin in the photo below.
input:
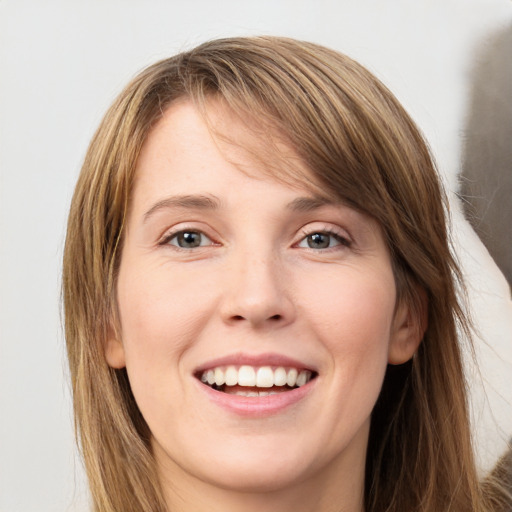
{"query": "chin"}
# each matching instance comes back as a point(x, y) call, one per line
point(249, 466)
point(257, 478)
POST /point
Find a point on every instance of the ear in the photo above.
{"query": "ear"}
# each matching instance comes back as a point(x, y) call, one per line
point(114, 350)
point(409, 326)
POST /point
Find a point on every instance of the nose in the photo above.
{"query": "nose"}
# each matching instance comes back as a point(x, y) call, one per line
point(258, 292)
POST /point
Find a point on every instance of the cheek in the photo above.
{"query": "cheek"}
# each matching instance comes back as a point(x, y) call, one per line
point(355, 307)
point(160, 307)
point(353, 318)
point(162, 314)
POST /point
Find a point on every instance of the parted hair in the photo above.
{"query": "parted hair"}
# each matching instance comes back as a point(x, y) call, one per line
point(360, 146)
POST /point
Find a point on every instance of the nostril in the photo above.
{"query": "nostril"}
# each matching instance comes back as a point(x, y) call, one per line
point(238, 318)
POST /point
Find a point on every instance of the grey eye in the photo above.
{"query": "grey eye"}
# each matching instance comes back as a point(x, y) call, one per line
point(189, 239)
point(320, 240)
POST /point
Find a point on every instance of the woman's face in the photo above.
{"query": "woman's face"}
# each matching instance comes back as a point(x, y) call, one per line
point(234, 276)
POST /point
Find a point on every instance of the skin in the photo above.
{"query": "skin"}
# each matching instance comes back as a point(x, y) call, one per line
point(254, 286)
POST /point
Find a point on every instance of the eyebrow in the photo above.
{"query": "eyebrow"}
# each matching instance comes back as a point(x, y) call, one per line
point(198, 202)
point(204, 202)
point(307, 204)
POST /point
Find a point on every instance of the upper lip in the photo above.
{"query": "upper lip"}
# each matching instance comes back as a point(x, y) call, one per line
point(256, 360)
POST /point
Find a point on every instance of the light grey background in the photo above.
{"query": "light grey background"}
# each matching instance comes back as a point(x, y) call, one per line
point(61, 64)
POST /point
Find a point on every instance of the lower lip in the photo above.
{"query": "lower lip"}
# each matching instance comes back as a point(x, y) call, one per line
point(257, 406)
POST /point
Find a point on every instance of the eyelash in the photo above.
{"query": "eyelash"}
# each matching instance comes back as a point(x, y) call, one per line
point(341, 239)
point(169, 236)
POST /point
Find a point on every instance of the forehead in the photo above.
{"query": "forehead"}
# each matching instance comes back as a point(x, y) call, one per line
point(188, 144)
point(188, 163)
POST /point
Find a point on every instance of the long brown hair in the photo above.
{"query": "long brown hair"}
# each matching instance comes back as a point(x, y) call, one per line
point(362, 147)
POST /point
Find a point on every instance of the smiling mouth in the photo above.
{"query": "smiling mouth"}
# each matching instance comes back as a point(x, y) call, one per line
point(254, 381)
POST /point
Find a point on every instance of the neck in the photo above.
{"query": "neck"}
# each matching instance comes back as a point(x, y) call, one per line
point(305, 499)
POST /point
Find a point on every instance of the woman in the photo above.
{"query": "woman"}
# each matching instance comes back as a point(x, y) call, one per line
point(259, 294)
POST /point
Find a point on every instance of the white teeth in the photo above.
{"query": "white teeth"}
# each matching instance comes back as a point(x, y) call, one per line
point(255, 393)
point(219, 377)
point(231, 376)
point(303, 378)
point(265, 377)
point(246, 376)
point(261, 377)
point(291, 378)
point(280, 376)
